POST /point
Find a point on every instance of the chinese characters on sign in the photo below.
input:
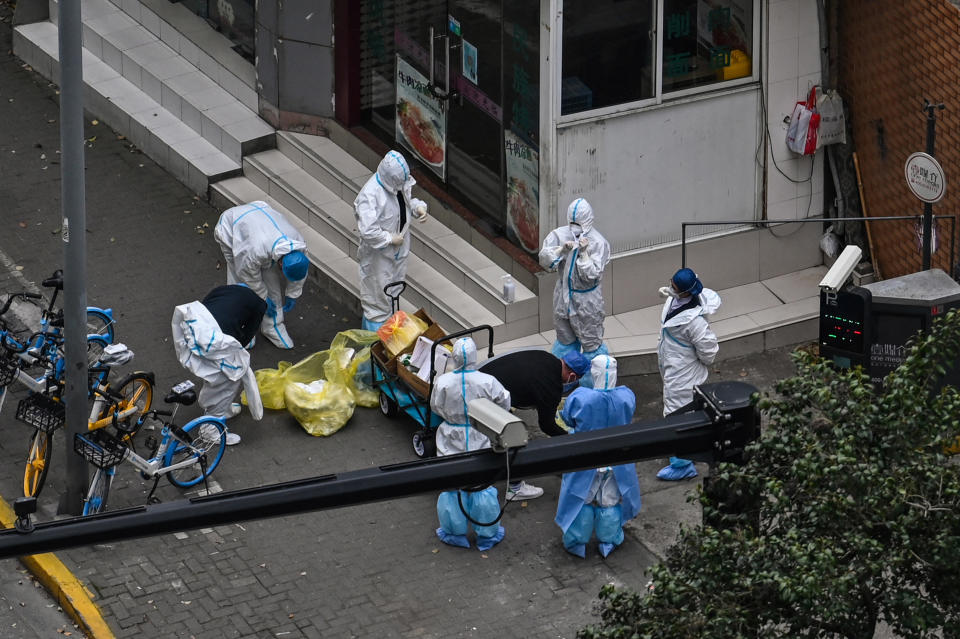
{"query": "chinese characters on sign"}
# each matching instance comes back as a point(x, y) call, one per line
point(421, 124)
point(523, 191)
point(925, 177)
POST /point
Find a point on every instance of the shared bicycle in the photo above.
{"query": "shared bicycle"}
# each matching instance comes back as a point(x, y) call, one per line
point(186, 456)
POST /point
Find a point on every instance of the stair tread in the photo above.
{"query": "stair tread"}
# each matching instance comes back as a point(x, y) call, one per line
point(420, 275)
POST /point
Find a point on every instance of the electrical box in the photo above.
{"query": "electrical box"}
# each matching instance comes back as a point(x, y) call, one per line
point(901, 307)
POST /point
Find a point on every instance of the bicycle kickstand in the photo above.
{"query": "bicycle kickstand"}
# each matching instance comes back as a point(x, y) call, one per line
point(151, 498)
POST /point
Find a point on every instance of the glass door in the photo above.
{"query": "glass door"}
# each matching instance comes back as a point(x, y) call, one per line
point(455, 84)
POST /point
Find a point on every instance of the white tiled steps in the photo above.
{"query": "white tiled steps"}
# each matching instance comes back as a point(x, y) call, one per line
point(145, 90)
point(426, 288)
point(472, 276)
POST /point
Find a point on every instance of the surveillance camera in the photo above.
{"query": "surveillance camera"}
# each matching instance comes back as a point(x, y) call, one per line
point(503, 428)
point(841, 270)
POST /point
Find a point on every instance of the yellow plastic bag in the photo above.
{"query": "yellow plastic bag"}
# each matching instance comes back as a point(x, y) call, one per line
point(321, 407)
point(399, 331)
point(271, 382)
point(357, 375)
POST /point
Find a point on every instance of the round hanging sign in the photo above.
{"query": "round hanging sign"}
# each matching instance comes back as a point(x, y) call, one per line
point(925, 177)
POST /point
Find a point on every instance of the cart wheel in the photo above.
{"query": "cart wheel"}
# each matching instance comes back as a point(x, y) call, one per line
point(425, 443)
point(388, 407)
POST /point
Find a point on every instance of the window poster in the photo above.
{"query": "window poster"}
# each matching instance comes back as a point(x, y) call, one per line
point(421, 124)
point(469, 62)
point(523, 192)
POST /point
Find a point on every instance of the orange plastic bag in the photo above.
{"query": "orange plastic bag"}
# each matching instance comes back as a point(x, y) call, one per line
point(399, 331)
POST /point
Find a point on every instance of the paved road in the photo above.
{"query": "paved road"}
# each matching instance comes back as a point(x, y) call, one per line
point(375, 570)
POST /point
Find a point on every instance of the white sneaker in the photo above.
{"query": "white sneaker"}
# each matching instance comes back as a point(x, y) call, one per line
point(232, 438)
point(524, 491)
point(211, 434)
point(235, 409)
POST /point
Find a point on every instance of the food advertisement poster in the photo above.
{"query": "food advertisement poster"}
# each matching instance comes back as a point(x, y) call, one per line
point(523, 192)
point(421, 121)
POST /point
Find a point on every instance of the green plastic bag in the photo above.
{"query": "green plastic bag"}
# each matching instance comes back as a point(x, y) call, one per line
point(321, 407)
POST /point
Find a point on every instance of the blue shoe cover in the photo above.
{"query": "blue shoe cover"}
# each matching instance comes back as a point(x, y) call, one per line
point(559, 350)
point(486, 543)
point(605, 549)
point(580, 550)
point(453, 540)
point(368, 325)
point(677, 470)
point(600, 350)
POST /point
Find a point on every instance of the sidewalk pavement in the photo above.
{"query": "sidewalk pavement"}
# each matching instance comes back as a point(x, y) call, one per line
point(372, 570)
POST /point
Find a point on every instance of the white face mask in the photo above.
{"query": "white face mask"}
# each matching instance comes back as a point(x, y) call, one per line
point(667, 291)
point(576, 229)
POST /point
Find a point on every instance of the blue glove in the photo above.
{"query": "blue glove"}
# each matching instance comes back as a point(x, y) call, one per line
point(288, 304)
point(271, 308)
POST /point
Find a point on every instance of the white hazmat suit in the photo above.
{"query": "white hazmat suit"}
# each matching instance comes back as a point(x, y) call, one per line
point(687, 347)
point(217, 358)
point(254, 237)
point(384, 236)
point(451, 393)
point(580, 253)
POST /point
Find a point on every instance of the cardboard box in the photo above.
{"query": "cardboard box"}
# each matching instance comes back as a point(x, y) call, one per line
point(394, 369)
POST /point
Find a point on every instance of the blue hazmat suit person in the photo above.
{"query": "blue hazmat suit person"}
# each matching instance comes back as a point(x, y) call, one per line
point(383, 208)
point(688, 346)
point(603, 499)
point(452, 391)
point(264, 251)
point(579, 253)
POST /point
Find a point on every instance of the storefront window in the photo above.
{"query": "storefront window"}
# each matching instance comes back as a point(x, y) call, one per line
point(611, 49)
point(706, 42)
point(607, 53)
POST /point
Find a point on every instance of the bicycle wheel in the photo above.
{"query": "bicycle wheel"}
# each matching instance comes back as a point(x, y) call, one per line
point(95, 346)
point(96, 500)
point(137, 392)
point(99, 322)
point(209, 441)
point(38, 463)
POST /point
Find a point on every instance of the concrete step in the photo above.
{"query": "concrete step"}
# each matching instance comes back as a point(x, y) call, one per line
point(160, 71)
point(449, 306)
point(130, 111)
point(324, 210)
point(457, 259)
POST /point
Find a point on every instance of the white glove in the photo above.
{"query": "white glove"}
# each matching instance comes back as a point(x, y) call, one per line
point(420, 213)
point(396, 239)
point(583, 241)
point(568, 246)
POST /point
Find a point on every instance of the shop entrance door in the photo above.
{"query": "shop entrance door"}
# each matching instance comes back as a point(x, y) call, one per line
point(447, 88)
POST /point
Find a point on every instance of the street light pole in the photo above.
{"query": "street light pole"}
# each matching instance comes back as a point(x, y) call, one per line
point(931, 110)
point(72, 193)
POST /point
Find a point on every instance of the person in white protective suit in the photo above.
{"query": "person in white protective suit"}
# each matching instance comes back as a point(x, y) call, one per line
point(601, 499)
point(265, 252)
point(452, 392)
point(579, 253)
point(208, 337)
point(687, 344)
point(383, 210)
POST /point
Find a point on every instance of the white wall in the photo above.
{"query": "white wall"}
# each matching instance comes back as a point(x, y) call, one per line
point(793, 66)
point(648, 171)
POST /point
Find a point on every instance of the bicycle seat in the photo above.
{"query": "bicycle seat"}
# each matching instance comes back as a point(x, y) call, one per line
point(182, 393)
point(54, 281)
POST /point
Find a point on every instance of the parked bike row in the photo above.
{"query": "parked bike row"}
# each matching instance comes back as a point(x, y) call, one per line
point(120, 406)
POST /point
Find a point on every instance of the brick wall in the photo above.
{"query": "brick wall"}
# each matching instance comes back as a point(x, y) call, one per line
point(894, 54)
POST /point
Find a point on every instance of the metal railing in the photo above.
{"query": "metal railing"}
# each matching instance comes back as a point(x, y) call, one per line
point(770, 223)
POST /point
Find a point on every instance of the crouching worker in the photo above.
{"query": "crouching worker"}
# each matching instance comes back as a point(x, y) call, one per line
point(451, 393)
point(602, 499)
point(209, 337)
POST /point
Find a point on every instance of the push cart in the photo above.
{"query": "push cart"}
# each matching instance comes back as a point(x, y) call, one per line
point(403, 392)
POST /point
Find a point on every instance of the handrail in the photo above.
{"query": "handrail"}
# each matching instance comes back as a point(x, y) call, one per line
point(761, 223)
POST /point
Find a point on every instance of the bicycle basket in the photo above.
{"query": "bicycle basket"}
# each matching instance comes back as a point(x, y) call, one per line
point(41, 412)
point(99, 448)
point(8, 367)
